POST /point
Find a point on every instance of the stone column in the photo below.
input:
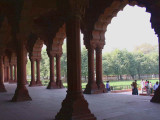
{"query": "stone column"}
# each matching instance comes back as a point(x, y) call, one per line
point(11, 74)
point(91, 87)
point(2, 87)
point(52, 83)
point(74, 106)
point(8, 74)
point(33, 82)
point(21, 93)
point(15, 73)
point(38, 81)
point(26, 82)
point(5, 73)
point(58, 72)
point(99, 80)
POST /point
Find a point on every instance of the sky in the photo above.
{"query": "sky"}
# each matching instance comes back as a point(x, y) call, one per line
point(129, 29)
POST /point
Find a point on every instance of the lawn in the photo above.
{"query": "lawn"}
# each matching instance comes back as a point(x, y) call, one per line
point(116, 84)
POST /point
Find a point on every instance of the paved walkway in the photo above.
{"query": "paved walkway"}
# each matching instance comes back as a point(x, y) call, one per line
point(46, 104)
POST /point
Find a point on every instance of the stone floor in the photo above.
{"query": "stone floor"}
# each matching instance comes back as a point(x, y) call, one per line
point(46, 104)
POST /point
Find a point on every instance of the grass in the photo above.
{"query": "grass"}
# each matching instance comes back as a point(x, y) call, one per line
point(115, 84)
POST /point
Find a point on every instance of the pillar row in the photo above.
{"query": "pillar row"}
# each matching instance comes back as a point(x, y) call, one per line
point(2, 87)
point(52, 83)
point(33, 82)
point(58, 72)
point(99, 79)
point(15, 73)
point(38, 81)
point(21, 93)
point(91, 87)
point(11, 74)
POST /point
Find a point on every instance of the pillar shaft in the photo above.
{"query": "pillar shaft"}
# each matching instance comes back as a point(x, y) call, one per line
point(11, 74)
point(91, 87)
point(11, 67)
point(21, 93)
point(33, 82)
point(52, 69)
point(98, 66)
point(15, 73)
point(58, 67)
point(38, 82)
point(2, 87)
point(74, 106)
point(99, 80)
point(8, 74)
point(52, 84)
point(58, 71)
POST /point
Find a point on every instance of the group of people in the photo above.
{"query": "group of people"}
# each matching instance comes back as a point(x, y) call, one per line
point(145, 86)
point(148, 87)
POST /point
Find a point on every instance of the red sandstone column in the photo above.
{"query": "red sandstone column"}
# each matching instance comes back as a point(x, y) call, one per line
point(38, 82)
point(99, 80)
point(91, 87)
point(11, 74)
point(52, 84)
point(15, 73)
point(58, 71)
point(33, 82)
point(2, 87)
point(5, 74)
point(26, 82)
point(21, 93)
point(74, 106)
point(8, 74)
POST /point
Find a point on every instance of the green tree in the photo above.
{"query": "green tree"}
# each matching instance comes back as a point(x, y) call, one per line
point(107, 64)
point(64, 62)
point(84, 63)
point(45, 65)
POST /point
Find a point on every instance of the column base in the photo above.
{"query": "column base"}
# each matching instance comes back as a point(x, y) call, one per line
point(2, 88)
point(74, 107)
point(32, 84)
point(39, 83)
point(59, 84)
point(52, 85)
point(91, 88)
point(101, 88)
point(156, 97)
point(21, 94)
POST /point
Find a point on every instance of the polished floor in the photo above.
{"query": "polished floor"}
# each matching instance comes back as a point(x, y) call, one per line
point(46, 103)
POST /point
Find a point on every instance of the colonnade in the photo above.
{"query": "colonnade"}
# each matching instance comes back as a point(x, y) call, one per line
point(37, 81)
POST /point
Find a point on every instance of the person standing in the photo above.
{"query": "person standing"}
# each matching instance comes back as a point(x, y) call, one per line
point(134, 88)
point(142, 85)
point(108, 86)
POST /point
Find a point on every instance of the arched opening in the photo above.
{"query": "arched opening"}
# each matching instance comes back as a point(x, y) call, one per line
point(134, 47)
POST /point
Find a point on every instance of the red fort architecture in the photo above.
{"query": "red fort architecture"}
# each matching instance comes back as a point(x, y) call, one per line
point(25, 25)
